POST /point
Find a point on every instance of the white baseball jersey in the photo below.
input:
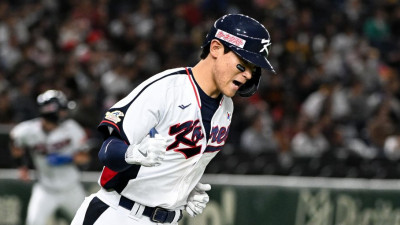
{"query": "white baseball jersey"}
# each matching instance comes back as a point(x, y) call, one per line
point(66, 139)
point(170, 103)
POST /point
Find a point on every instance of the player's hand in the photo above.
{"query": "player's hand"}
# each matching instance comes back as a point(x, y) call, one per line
point(198, 199)
point(150, 152)
point(23, 173)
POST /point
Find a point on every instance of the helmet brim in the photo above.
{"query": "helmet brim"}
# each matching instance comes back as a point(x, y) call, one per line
point(254, 58)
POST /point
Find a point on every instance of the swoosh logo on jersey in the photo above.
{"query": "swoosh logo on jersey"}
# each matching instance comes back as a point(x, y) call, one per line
point(143, 153)
point(184, 106)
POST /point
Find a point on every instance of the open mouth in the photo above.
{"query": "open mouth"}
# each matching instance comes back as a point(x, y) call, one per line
point(237, 83)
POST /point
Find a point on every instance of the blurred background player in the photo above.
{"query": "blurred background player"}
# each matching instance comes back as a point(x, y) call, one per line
point(56, 144)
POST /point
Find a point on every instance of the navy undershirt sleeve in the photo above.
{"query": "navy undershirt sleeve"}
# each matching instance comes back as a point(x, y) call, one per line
point(112, 154)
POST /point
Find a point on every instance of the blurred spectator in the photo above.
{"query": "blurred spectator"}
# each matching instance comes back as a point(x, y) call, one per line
point(215, 7)
point(361, 148)
point(4, 84)
point(393, 54)
point(191, 12)
point(364, 63)
point(380, 126)
point(376, 28)
point(142, 19)
point(86, 112)
point(146, 59)
point(309, 142)
point(354, 10)
point(6, 110)
point(392, 147)
point(258, 137)
point(24, 103)
point(273, 93)
point(358, 105)
point(115, 82)
point(328, 99)
point(283, 134)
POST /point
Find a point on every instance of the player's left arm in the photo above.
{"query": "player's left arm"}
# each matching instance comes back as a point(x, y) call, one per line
point(81, 156)
point(58, 159)
point(198, 199)
point(79, 153)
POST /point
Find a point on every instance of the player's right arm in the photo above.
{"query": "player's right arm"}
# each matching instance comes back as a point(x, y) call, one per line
point(112, 153)
point(19, 148)
point(126, 132)
point(19, 156)
point(119, 156)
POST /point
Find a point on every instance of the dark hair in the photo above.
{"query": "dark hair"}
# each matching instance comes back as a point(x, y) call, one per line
point(206, 50)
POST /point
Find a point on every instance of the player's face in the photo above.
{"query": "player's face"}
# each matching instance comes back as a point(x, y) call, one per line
point(48, 125)
point(229, 77)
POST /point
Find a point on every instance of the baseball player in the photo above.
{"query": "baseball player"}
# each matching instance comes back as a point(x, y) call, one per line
point(55, 144)
point(160, 138)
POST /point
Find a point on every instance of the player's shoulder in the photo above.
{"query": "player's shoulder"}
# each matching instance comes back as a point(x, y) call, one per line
point(169, 77)
point(71, 123)
point(163, 82)
point(32, 123)
point(72, 128)
point(227, 103)
point(171, 73)
point(27, 126)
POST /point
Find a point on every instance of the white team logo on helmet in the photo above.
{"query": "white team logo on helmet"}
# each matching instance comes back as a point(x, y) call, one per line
point(114, 116)
point(267, 43)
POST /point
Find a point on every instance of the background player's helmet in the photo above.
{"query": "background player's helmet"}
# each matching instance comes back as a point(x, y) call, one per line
point(51, 102)
point(248, 39)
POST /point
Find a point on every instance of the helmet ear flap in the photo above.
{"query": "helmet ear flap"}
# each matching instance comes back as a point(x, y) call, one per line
point(251, 86)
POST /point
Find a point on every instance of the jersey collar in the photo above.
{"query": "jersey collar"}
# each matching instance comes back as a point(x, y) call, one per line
point(196, 92)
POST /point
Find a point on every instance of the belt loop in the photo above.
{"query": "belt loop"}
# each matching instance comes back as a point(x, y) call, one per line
point(139, 212)
point(134, 210)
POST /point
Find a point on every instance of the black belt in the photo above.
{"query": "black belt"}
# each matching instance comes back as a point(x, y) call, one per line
point(156, 214)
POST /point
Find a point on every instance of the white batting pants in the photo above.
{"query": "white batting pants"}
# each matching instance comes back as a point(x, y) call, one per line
point(43, 203)
point(112, 212)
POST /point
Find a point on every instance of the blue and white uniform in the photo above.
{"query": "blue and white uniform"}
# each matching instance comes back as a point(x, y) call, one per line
point(171, 103)
point(52, 153)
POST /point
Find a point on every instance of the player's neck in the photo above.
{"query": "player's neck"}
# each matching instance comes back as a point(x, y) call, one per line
point(202, 72)
point(48, 126)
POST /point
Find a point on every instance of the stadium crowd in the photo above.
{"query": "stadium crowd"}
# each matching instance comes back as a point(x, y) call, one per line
point(336, 95)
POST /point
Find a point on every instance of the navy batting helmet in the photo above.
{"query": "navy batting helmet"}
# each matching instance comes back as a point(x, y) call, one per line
point(50, 103)
point(248, 39)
